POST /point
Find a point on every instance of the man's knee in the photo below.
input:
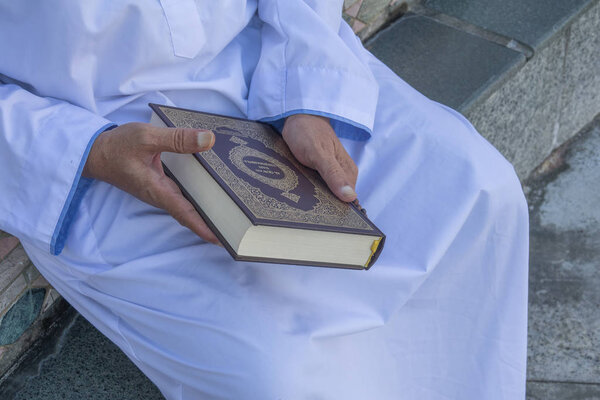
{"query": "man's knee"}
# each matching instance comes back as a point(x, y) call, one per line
point(499, 189)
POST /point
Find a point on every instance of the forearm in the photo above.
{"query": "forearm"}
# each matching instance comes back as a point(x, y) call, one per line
point(320, 71)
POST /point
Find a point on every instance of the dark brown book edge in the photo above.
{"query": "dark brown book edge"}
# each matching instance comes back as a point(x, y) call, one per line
point(237, 257)
point(374, 231)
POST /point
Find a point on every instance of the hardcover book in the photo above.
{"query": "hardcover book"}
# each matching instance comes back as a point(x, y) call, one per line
point(260, 202)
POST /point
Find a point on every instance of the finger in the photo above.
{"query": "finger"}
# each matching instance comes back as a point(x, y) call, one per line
point(333, 174)
point(184, 212)
point(349, 167)
point(182, 140)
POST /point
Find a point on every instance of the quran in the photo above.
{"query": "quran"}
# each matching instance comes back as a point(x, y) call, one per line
point(260, 202)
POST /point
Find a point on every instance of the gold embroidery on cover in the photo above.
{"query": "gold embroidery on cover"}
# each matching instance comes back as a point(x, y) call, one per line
point(238, 156)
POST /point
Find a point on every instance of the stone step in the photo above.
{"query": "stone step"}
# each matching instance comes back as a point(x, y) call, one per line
point(525, 72)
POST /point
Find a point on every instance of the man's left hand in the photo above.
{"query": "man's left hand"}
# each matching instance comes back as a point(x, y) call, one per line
point(314, 143)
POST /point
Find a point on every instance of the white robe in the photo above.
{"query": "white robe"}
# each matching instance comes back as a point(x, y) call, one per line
point(441, 315)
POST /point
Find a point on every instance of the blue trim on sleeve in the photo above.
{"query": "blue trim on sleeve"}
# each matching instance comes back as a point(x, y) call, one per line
point(78, 189)
point(343, 127)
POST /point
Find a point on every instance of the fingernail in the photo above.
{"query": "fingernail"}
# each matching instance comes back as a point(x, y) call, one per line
point(205, 139)
point(347, 191)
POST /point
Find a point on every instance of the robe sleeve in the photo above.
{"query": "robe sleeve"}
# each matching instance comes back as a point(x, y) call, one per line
point(311, 62)
point(44, 144)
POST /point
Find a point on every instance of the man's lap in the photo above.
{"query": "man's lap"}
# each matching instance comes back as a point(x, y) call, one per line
point(174, 303)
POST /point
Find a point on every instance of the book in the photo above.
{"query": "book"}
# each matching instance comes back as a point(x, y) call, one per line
point(260, 202)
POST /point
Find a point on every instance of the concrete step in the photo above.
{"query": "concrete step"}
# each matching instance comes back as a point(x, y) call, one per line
point(525, 72)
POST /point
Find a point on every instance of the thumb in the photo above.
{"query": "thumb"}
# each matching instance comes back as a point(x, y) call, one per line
point(335, 178)
point(183, 140)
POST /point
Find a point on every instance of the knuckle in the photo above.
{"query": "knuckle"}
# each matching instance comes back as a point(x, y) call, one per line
point(178, 140)
point(332, 171)
point(321, 154)
point(325, 147)
point(134, 126)
point(308, 158)
point(146, 138)
point(138, 126)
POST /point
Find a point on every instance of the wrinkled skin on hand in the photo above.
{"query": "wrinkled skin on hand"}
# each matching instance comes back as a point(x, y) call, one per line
point(314, 143)
point(128, 157)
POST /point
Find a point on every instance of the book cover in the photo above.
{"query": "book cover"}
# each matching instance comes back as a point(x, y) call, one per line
point(253, 164)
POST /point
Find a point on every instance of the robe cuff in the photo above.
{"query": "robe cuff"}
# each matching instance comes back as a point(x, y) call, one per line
point(344, 128)
point(349, 100)
point(78, 189)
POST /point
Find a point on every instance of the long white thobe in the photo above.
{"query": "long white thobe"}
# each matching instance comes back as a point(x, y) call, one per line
point(442, 315)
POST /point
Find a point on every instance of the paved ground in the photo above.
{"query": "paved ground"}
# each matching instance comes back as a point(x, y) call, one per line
point(564, 287)
point(78, 364)
point(564, 321)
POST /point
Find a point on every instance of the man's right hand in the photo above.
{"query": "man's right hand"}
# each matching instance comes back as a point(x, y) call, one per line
point(128, 157)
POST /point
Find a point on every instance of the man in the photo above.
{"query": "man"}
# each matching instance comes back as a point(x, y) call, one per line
point(441, 315)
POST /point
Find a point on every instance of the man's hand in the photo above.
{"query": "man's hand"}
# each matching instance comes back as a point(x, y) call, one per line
point(314, 143)
point(128, 157)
